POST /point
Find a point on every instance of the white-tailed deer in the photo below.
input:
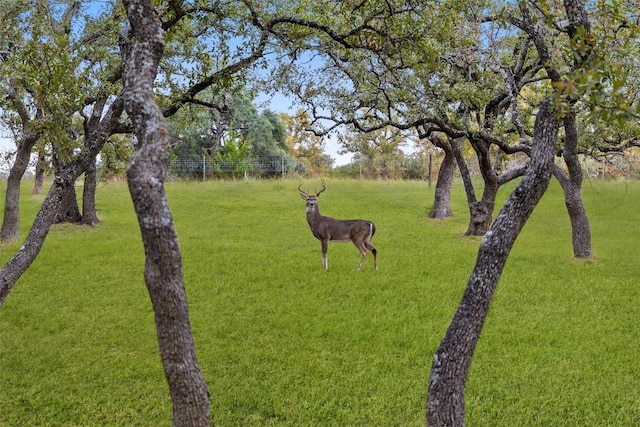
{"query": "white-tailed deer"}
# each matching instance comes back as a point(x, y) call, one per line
point(325, 229)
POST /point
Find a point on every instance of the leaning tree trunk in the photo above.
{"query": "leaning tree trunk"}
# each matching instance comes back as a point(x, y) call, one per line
point(89, 214)
point(28, 252)
point(146, 173)
point(445, 401)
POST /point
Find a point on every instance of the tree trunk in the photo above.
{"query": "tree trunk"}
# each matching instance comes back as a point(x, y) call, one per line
point(445, 401)
point(580, 228)
point(28, 252)
point(10, 231)
point(572, 186)
point(163, 268)
point(464, 171)
point(442, 199)
point(68, 212)
point(38, 182)
point(89, 214)
point(481, 212)
point(68, 209)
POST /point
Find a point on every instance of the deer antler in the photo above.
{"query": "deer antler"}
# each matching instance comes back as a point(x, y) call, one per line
point(323, 187)
point(301, 191)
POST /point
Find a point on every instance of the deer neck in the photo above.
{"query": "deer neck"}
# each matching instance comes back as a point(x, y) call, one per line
point(313, 214)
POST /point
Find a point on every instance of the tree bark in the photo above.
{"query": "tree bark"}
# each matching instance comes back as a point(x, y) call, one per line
point(481, 212)
point(10, 231)
point(480, 215)
point(580, 227)
point(572, 187)
point(445, 401)
point(163, 268)
point(68, 210)
point(464, 171)
point(442, 198)
point(25, 256)
point(38, 182)
point(89, 214)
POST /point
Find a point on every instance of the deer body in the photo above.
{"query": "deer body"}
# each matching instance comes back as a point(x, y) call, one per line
point(326, 229)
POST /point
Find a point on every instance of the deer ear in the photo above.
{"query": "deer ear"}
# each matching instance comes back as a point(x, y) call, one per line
point(303, 197)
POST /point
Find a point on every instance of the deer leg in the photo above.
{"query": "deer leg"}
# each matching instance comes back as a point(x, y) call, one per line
point(363, 251)
point(374, 251)
point(325, 248)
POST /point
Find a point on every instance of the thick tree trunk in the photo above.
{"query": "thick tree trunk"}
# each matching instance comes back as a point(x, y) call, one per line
point(480, 216)
point(10, 231)
point(445, 401)
point(69, 210)
point(163, 268)
point(89, 214)
point(442, 198)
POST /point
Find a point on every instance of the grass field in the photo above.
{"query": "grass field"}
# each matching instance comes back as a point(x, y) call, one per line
point(283, 343)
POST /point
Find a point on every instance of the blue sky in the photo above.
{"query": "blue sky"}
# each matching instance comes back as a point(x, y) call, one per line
point(281, 104)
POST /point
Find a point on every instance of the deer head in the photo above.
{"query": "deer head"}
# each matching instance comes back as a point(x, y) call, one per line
point(312, 201)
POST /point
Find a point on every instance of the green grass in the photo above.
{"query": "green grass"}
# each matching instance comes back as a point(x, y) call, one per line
point(283, 343)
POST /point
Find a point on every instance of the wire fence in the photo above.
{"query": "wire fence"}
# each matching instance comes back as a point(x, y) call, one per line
point(265, 167)
point(282, 166)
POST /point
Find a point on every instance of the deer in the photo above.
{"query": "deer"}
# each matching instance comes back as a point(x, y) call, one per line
point(326, 229)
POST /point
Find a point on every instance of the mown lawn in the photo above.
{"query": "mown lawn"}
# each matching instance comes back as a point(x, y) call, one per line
point(283, 343)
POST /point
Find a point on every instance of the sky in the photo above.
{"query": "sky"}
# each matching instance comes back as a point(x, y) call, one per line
point(280, 104)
